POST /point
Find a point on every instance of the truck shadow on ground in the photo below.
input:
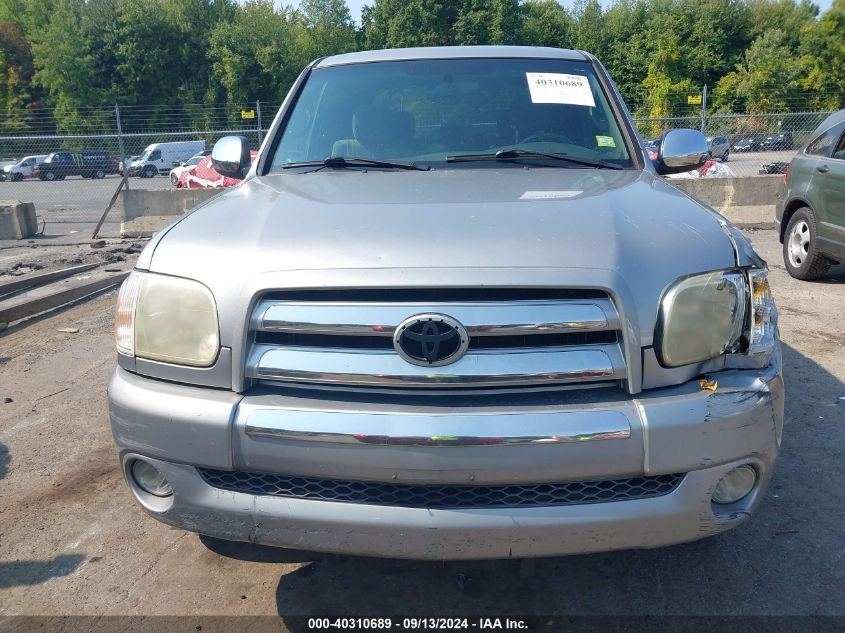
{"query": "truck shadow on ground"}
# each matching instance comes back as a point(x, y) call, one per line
point(779, 562)
point(5, 460)
point(34, 572)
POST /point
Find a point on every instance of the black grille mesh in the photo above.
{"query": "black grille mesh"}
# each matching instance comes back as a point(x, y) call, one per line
point(443, 496)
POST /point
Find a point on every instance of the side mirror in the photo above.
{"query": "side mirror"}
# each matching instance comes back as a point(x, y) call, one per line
point(680, 151)
point(230, 156)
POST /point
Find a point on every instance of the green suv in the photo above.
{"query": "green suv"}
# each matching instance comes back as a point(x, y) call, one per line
point(811, 211)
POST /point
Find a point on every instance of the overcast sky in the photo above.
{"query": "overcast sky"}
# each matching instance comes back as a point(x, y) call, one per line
point(356, 5)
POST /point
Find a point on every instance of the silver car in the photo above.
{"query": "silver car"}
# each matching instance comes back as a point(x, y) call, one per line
point(453, 311)
point(720, 148)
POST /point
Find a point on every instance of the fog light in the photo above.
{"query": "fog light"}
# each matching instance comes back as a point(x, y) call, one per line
point(735, 485)
point(150, 479)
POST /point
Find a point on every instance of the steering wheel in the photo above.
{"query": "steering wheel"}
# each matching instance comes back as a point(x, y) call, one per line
point(548, 136)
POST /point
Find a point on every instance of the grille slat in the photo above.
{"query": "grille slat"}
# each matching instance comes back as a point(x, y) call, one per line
point(435, 295)
point(333, 341)
point(443, 496)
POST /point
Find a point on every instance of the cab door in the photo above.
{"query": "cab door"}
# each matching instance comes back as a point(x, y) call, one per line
point(824, 190)
point(157, 160)
point(831, 187)
point(26, 167)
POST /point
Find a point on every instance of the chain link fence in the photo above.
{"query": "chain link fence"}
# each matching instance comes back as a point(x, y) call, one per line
point(749, 144)
point(745, 144)
point(97, 144)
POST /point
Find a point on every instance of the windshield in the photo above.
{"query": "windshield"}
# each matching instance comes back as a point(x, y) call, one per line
point(427, 110)
point(143, 157)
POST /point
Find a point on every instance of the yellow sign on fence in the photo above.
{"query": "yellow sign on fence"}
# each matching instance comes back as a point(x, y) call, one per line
point(694, 99)
point(247, 114)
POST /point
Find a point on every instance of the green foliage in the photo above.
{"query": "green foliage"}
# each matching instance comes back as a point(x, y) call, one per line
point(591, 33)
point(329, 28)
point(488, 22)
point(547, 23)
point(766, 80)
point(823, 59)
point(255, 55)
point(15, 76)
point(397, 23)
point(82, 56)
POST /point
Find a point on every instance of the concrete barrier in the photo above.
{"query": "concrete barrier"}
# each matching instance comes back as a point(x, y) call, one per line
point(145, 212)
point(17, 220)
point(744, 201)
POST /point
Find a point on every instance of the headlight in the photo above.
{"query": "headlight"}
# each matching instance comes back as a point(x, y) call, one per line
point(764, 314)
point(701, 317)
point(168, 319)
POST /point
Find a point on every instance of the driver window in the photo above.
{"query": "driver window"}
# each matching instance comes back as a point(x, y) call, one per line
point(839, 152)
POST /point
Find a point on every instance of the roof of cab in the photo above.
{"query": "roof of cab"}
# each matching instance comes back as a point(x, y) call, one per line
point(834, 119)
point(452, 52)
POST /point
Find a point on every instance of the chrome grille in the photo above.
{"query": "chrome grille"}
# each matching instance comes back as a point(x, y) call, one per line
point(517, 338)
point(443, 496)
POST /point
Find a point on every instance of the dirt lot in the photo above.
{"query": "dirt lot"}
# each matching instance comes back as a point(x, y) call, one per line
point(72, 541)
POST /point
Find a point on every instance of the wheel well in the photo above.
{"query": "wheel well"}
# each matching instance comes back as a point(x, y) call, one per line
point(790, 209)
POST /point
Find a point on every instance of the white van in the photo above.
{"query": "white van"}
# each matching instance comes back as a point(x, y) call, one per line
point(23, 168)
point(158, 158)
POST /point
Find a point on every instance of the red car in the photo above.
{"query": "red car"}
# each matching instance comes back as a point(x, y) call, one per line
point(204, 176)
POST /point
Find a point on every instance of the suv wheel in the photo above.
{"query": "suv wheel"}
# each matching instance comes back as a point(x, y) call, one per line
point(801, 249)
point(99, 174)
point(49, 176)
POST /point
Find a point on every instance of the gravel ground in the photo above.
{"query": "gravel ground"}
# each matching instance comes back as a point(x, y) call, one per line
point(72, 541)
point(18, 258)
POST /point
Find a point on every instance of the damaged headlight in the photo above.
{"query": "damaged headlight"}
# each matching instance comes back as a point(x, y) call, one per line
point(168, 319)
point(764, 315)
point(702, 317)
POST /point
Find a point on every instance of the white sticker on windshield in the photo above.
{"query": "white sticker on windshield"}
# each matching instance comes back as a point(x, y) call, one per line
point(549, 195)
point(560, 88)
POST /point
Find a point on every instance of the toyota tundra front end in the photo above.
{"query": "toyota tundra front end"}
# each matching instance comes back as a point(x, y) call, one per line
point(453, 311)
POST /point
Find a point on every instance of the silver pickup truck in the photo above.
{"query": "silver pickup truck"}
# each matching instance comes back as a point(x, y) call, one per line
point(453, 311)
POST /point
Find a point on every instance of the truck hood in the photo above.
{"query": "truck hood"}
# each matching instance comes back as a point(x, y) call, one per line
point(626, 231)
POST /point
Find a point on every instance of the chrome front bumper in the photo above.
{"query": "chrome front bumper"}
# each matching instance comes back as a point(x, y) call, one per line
point(587, 435)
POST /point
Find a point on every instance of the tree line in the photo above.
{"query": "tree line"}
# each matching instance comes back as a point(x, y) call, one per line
point(72, 55)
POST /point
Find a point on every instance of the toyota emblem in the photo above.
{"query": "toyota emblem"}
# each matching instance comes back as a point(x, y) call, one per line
point(430, 340)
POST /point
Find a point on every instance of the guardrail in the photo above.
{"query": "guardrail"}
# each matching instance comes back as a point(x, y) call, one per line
point(744, 201)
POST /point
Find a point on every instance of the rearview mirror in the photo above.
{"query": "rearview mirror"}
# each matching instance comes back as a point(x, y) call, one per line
point(230, 156)
point(680, 151)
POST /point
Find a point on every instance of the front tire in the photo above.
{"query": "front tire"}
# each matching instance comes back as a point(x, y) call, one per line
point(801, 248)
point(725, 156)
point(149, 172)
point(49, 176)
point(99, 174)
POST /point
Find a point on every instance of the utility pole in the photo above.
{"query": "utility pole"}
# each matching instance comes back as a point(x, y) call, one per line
point(703, 108)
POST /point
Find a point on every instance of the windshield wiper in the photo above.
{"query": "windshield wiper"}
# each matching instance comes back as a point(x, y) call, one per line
point(341, 162)
point(515, 154)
